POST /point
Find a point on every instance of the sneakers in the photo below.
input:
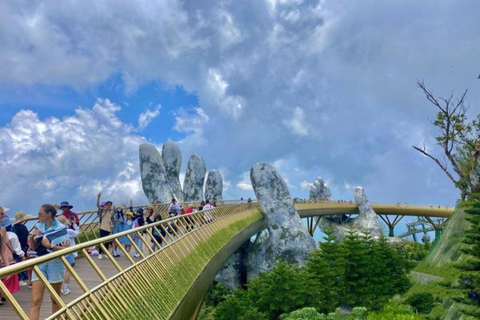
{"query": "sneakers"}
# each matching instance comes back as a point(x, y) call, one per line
point(136, 255)
point(100, 256)
point(22, 283)
point(66, 292)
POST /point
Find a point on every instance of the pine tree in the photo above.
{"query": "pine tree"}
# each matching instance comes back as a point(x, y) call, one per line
point(280, 291)
point(357, 277)
point(325, 271)
point(470, 281)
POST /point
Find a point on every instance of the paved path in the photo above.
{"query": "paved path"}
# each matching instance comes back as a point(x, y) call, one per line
point(87, 274)
point(424, 278)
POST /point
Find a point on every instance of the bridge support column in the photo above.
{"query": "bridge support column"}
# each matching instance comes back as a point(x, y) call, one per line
point(242, 266)
point(437, 226)
point(391, 224)
point(312, 224)
point(390, 231)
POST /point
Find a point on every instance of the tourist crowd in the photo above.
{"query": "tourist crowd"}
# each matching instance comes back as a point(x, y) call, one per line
point(57, 228)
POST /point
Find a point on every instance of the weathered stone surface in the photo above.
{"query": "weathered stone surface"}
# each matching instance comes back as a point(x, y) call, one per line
point(320, 191)
point(154, 178)
point(214, 186)
point(367, 220)
point(172, 159)
point(194, 179)
point(288, 239)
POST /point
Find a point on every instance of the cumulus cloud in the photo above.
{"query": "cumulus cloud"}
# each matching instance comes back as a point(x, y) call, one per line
point(73, 158)
point(329, 85)
point(145, 118)
point(305, 185)
point(245, 183)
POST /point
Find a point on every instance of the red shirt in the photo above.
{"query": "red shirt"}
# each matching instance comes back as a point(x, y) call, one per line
point(69, 213)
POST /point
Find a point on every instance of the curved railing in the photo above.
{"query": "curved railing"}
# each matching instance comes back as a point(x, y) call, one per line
point(308, 209)
point(161, 281)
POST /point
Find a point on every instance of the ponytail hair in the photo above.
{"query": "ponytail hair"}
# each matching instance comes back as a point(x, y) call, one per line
point(50, 209)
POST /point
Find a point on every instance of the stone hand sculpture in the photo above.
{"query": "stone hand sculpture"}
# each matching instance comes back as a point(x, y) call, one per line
point(214, 186)
point(320, 191)
point(154, 178)
point(172, 158)
point(288, 240)
point(367, 220)
point(194, 179)
point(160, 175)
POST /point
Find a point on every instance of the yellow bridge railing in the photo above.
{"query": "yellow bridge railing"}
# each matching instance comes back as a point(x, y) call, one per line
point(149, 288)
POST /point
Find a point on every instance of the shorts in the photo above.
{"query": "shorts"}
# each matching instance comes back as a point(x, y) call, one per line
point(54, 271)
point(71, 259)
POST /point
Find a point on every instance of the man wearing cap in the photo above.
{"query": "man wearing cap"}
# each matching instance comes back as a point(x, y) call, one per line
point(105, 214)
point(67, 212)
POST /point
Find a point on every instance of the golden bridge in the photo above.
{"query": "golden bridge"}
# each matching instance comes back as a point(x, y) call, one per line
point(169, 280)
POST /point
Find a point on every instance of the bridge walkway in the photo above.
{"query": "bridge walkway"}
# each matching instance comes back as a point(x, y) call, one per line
point(86, 273)
point(167, 283)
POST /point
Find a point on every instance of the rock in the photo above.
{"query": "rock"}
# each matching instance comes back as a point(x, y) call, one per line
point(194, 179)
point(172, 159)
point(320, 191)
point(367, 220)
point(288, 239)
point(214, 186)
point(154, 178)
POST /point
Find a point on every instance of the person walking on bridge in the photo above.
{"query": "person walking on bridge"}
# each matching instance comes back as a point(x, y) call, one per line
point(67, 211)
point(49, 236)
point(106, 215)
point(5, 221)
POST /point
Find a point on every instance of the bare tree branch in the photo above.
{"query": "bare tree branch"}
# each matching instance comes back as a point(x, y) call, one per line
point(438, 163)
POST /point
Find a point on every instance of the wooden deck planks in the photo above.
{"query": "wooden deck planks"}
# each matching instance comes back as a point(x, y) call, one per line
point(87, 274)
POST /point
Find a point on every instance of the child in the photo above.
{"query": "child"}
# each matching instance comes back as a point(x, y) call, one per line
point(127, 225)
point(73, 231)
point(118, 221)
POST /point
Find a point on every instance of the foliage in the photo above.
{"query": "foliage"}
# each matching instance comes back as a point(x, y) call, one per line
point(303, 314)
point(470, 279)
point(458, 139)
point(279, 291)
point(394, 311)
point(422, 302)
point(357, 272)
point(216, 294)
point(414, 252)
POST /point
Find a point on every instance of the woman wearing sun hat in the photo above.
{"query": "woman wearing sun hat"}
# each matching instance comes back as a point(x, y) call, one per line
point(21, 231)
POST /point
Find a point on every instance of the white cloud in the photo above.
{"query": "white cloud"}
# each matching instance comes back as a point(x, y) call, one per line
point(73, 158)
point(193, 123)
point(298, 123)
point(147, 117)
point(321, 83)
point(245, 183)
point(305, 185)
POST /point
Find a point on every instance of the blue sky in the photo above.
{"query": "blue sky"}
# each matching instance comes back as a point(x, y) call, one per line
point(317, 88)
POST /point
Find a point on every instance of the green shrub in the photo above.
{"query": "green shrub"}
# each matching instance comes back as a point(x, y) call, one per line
point(422, 302)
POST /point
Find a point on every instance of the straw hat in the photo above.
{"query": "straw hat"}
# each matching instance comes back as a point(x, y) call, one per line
point(20, 216)
point(130, 213)
point(62, 219)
